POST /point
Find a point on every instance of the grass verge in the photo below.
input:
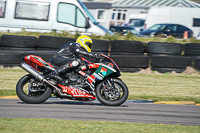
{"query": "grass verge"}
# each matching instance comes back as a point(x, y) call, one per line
point(163, 87)
point(129, 36)
point(5, 92)
point(43, 125)
point(154, 86)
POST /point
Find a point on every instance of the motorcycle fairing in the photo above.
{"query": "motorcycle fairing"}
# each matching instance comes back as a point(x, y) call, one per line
point(76, 92)
point(36, 62)
point(101, 73)
point(104, 71)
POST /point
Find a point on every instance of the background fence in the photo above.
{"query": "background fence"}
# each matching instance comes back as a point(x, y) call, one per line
point(131, 56)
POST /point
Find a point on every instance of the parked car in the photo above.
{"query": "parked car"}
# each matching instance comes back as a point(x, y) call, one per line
point(189, 17)
point(123, 30)
point(176, 30)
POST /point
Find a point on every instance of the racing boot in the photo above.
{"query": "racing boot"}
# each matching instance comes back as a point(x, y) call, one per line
point(54, 74)
point(64, 69)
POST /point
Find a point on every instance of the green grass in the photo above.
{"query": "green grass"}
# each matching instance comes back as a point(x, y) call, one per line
point(41, 125)
point(5, 92)
point(159, 87)
point(154, 86)
point(196, 0)
point(9, 77)
point(129, 36)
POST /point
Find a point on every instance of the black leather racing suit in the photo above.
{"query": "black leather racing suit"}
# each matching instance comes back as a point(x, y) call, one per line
point(68, 57)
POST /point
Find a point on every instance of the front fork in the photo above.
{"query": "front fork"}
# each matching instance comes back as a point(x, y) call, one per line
point(110, 83)
point(110, 90)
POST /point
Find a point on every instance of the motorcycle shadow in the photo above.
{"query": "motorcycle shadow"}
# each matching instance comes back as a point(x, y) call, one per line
point(71, 102)
point(74, 102)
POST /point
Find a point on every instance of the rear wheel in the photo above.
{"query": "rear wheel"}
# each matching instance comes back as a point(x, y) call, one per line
point(112, 92)
point(30, 90)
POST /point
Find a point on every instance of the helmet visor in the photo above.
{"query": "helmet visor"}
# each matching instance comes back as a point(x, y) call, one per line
point(89, 44)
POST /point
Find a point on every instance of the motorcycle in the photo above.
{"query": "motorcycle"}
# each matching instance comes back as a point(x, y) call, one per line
point(92, 80)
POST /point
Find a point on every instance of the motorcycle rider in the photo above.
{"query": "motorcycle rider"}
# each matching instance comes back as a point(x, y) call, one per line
point(68, 57)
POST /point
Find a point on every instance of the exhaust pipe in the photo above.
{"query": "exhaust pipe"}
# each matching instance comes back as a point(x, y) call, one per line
point(32, 71)
point(41, 78)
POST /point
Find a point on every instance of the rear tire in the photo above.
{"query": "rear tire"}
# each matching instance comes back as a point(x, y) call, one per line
point(112, 97)
point(32, 97)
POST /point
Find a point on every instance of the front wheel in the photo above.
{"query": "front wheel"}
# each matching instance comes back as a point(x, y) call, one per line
point(112, 92)
point(30, 90)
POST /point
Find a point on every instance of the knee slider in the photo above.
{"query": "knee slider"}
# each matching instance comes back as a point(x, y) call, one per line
point(75, 63)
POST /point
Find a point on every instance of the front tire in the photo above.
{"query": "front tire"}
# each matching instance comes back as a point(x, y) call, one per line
point(112, 96)
point(29, 90)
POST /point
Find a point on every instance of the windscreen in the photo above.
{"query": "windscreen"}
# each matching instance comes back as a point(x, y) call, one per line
point(110, 60)
point(136, 22)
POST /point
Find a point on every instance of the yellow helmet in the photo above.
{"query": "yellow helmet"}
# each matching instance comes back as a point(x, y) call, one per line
point(85, 42)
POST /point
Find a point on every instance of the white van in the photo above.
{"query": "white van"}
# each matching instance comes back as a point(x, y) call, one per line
point(48, 15)
point(189, 17)
point(137, 21)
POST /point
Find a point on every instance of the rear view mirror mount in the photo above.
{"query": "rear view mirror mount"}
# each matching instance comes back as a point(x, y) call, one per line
point(87, 23)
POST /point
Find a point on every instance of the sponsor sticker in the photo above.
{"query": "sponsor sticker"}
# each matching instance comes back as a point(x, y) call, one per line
point(97, 76)
point(103, 71)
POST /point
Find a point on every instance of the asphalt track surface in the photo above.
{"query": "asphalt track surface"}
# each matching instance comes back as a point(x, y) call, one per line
point(94, 111)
